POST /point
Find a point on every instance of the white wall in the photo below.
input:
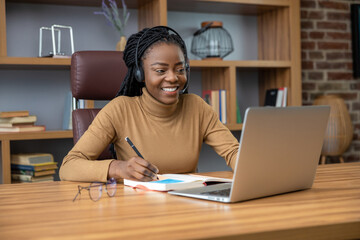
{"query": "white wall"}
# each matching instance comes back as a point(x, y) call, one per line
point(243, 30)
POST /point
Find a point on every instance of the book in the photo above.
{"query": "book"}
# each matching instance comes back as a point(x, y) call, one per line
point(61, 56)
point(28, 178)
point(67, 116)
point(276, 97)
point(34, 167)
point(168, 182)
point(11, 125)
point(279, 97)
point(270, 97)
point(9, 114)
point(11, 121)
point(238, 115)
point(34, 173)
point(23, 128)
point(206, 95)
point(31, 158)
point(223, 111)
point(217, 100)
point(284, 102)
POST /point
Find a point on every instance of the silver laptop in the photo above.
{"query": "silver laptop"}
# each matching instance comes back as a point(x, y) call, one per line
point(279, 152)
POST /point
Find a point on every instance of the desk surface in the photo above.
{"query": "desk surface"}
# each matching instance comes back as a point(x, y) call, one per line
point(46, 211)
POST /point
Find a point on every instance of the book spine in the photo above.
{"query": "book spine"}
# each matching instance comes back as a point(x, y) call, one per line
point(223, 107)
point(220, 107)
point(279, 97)
point(20, 177)
point(284, 103)
point(217, 100)
point(206, 95)
point(67, 116)
point(23, 167)
point(23, 172)
point(238, 115)
point(271, 96)
point(32, 158)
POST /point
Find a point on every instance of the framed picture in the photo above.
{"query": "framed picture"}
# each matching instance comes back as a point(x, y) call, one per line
point(355, 25)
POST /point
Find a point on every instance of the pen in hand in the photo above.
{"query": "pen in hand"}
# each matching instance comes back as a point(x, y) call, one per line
point(133, 147)
point(127, 139)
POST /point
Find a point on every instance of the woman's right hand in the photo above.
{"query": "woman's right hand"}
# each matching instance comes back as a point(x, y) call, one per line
point(136, 168)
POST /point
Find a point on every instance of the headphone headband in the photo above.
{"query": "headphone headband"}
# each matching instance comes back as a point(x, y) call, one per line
point(139, 74)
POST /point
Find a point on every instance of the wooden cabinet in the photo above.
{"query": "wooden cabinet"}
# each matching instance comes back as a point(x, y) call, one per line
point(278, 43)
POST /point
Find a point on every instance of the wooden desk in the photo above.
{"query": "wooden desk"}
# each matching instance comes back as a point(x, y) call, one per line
point(331, 209)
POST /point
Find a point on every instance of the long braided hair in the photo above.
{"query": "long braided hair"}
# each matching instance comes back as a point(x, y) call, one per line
point(149, 37)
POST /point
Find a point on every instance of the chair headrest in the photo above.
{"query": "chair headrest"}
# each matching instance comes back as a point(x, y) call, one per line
point(97, 75)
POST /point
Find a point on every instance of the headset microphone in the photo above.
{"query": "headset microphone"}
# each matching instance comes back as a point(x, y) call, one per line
point(187, 69)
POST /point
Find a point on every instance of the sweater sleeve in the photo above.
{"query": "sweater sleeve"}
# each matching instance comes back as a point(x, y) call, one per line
point(219, 137)
point(81, 163)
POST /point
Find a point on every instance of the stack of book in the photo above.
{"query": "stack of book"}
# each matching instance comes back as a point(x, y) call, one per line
point(276, 97)
point(19, 121)
point(217, 99)
point(32, 167)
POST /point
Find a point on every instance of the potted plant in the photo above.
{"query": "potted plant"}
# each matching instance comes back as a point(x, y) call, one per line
point(118, 21)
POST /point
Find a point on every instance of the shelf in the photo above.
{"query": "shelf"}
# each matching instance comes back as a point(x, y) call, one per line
point(34, 62)
point(234, 127)
point(36, 135)
point(246, 7)
point(240, 64)
point(91, 3)
point(21, 62)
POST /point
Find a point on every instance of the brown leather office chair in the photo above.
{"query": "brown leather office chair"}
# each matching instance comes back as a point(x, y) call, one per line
point(95, 75)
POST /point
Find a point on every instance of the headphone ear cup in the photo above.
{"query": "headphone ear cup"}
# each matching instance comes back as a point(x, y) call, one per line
point(139, 74)
point(187, 67)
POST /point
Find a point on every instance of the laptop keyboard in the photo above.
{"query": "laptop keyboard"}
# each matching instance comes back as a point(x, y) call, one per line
point(222, 192)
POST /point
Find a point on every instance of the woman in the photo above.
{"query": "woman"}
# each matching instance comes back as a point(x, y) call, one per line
point(153, 109)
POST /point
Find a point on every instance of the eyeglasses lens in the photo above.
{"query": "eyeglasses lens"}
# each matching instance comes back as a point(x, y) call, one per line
point(111, 187)
point(95, 191)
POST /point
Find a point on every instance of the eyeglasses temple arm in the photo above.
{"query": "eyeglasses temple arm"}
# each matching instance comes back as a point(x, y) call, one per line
point(79, 192)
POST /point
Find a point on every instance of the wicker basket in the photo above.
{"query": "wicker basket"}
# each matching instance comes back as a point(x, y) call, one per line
point(339, 132)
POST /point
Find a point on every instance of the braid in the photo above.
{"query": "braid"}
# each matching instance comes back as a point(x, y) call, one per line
point(130, 86)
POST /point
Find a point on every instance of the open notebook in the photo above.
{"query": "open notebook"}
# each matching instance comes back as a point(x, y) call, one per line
point(168, 182)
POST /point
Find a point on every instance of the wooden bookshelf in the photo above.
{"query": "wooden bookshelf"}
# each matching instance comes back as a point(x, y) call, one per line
point(278, 42)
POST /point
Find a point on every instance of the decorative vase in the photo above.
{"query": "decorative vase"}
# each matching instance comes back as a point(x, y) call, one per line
point(120, 46)
point(212, 41)
point(339, 132)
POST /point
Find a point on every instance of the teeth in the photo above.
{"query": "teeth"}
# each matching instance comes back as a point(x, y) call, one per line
point(169, 89)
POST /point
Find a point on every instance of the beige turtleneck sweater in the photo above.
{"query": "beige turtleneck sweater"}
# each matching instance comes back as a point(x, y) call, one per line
point(169, 136)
